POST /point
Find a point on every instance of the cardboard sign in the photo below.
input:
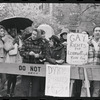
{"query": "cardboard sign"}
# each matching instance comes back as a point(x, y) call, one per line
point(77, 48)
point(57, 80)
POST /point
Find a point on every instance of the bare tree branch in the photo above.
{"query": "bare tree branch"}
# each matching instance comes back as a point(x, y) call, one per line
point(88, 8)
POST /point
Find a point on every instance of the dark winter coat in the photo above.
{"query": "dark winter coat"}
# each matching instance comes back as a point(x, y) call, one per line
point(55, 53)
point(65, 47)
point(63, 40)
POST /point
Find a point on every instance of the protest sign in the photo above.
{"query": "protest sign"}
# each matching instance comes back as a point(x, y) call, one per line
point(57, 80)
point(77, 48)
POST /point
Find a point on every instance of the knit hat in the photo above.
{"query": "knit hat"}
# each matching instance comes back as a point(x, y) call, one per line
point(55, 38)
point(63, 34)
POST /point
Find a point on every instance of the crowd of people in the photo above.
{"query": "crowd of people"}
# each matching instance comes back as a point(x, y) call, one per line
point(32, 47)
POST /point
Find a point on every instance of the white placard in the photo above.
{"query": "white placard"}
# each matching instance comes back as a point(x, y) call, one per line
point(57, 80)
point(77, 48)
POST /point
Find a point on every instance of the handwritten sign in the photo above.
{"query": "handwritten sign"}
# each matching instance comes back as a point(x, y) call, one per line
point(77, 48)
point(57, 80)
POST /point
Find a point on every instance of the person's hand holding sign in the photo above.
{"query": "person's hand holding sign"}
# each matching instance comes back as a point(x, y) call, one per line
point(65, 44)
point(90, 42)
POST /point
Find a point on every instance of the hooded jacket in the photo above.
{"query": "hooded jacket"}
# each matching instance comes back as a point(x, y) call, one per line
point(37, 46)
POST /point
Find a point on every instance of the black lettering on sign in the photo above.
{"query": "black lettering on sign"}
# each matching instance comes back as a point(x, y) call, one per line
point(20, 67)
point(39, 69)
point(77, 37)
point(31, 68)
point(34, 68)
point(23, 68)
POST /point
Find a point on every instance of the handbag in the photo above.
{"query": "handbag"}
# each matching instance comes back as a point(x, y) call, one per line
point(8, 42)
point(14, 51)
point(8, 46)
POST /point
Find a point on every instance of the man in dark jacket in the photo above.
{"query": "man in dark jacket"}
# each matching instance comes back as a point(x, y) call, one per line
point(32, 52)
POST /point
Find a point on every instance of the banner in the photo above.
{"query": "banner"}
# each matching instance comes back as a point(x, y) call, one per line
point(77, 48)
point(23, 69)
point(57, 80)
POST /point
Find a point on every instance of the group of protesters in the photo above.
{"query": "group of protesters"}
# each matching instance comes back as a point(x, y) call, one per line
point(34, 48)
